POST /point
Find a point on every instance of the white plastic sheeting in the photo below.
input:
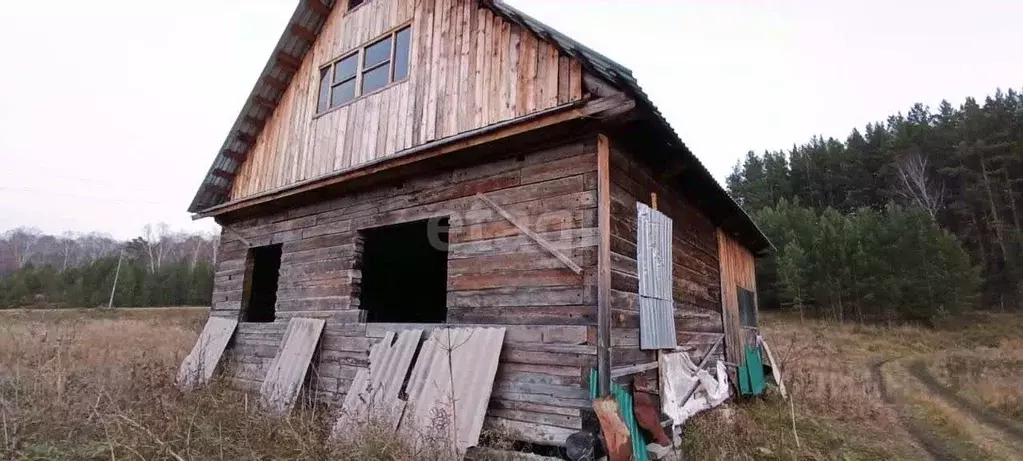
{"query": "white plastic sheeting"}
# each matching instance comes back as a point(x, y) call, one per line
point(678, 376)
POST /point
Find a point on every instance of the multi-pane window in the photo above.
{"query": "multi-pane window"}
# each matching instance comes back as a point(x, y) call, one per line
point(366, 70)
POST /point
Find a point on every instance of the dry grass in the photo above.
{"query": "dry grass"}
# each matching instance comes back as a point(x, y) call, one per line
point(97, 384)
point(839, 409)
point(88, 384)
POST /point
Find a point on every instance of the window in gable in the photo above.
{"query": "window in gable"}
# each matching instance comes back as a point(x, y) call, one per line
point(369, 69)
point(353, 4)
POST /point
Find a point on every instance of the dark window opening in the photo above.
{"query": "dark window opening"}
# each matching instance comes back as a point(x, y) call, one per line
point(352, 4)
point(260, 293)
point(747, 307)
point(405, 272)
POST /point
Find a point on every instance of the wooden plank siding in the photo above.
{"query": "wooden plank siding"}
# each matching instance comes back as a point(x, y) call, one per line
point(737, 270)
point(496, 276)
point(695, 270)
point(468, 69)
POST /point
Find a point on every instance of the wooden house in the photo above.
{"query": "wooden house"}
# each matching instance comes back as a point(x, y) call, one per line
point(455, 162)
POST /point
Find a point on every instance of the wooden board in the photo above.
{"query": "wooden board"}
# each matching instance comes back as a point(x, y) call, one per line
point(468, 69)
point(287, 372)
point(737, 270)
point(200, 364)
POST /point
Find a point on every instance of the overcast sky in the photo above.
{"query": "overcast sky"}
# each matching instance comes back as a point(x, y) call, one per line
point(111, 111)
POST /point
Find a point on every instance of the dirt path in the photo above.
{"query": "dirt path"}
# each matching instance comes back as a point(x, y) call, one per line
point(927, 439)
point(918, 369)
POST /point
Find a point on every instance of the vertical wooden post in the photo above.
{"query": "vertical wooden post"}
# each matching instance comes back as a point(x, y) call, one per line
point(603, 265)
point(653, 200)
point(117, 274)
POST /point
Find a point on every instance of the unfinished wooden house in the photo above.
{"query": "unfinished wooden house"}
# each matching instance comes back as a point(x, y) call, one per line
point(432, 163)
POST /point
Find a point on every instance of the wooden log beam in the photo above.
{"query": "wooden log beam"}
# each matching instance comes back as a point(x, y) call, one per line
point(255, 122)
point(288, 61)
point(264, 102)
point(317, 6)
point(275, 83)
point(304, 33)
point(223, 174)
point(234, 155)
point(244, 138)
point(533, 235)
point(603, 265)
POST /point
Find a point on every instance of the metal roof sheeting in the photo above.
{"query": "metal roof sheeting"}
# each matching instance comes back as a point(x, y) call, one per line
point(653, 255)
point(653, 252)
point(287, 372)
point(374, 392)
point(434, 387)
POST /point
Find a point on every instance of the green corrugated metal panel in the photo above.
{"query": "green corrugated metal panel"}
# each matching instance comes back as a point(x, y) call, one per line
point(624, 400)
point(751, 374)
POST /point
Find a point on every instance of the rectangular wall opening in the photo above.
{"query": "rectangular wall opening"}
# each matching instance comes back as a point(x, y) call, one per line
point(405, 272)
point(262, 269)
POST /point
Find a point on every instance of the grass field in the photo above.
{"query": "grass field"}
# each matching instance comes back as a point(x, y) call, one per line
point(98, 384)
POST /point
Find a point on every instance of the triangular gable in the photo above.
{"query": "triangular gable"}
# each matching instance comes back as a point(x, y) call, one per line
point(307, 23)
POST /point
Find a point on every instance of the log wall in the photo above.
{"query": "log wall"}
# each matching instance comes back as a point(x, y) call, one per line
point(468, 69)
point(496, 275)
point(696, 270)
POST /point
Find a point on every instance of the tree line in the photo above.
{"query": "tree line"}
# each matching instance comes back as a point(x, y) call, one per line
point(157, 268)
point(913, 217)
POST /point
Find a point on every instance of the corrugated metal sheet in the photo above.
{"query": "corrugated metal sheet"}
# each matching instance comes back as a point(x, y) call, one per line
point(374, 392)
point(656, 324)
point(287, 372)
point(653, 255)
point(461, 391)
point(199, 365)
point(625, 409)
point(653, 252)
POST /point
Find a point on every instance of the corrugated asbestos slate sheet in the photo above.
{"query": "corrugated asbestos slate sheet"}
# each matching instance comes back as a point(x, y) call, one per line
point(653, 255)
point(461, 391)
point(374, 392)
point(199, 365)
point(287, 372)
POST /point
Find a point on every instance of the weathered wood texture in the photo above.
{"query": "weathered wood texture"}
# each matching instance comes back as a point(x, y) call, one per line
point(695, 271)
point(496, 274)
point(737, 269)
point(469, 69)
point(539, 391)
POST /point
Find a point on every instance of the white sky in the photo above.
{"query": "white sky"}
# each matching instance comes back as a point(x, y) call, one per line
point(111, 111)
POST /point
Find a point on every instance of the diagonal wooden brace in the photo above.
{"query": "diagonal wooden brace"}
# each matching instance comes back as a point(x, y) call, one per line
point(533, 235)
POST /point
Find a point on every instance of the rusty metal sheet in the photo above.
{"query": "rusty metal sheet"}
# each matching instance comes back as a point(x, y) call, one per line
point(460, 391)
point(288, 370)
point(374, 392)
point(201, 362)
point(653, 255)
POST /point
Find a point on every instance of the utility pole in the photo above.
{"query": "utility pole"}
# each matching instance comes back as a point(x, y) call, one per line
point(116, 274)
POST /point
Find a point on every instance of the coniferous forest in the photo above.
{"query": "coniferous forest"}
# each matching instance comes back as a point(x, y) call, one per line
point(158, 268)
point(913, 218)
